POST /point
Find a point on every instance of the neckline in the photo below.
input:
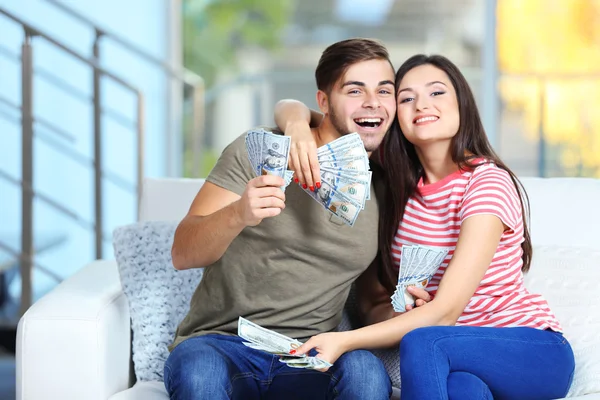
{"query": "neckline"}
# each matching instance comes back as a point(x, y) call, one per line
point(431, 188)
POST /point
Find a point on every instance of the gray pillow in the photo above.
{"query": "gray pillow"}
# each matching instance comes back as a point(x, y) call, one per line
point(158, 295)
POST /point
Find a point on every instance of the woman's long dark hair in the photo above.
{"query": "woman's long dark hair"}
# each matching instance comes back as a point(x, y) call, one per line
point(403, 168)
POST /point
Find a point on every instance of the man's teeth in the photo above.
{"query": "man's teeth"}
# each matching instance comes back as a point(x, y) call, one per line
point(368, 120)
point(425, 119)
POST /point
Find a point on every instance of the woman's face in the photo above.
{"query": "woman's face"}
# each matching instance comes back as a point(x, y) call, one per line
point(427, 106)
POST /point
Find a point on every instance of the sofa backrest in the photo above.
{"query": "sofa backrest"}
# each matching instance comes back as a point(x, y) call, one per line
point(564, 211)
point(167, 199)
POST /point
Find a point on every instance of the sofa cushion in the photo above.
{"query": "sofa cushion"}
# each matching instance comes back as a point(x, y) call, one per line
point(158, 295)
point(569, 279)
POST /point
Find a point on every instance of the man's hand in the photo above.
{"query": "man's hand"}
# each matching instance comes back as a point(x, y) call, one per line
point(422, 296)
point(303, 158)
point(263, 198)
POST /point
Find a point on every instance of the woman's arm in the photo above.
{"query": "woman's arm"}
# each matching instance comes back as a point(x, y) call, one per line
point(477, 243)
point(295, 119)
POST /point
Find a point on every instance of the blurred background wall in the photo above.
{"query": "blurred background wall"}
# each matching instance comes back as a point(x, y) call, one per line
point(191, 75)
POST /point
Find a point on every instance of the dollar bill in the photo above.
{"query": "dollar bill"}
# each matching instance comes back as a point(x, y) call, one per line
point(275, 151)
point(352, 150)
point(336, 203)
point(353, 189)
point(357, 163)
point(308, 362)
point(351, 138)
point(265, 337)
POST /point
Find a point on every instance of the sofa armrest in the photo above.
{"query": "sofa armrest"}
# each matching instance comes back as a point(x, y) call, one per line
point(75, 342)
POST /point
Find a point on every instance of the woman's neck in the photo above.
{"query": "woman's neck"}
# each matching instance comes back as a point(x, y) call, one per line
point(436, 161)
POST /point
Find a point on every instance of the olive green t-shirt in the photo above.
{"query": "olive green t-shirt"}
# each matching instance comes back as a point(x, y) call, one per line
point(290, 273)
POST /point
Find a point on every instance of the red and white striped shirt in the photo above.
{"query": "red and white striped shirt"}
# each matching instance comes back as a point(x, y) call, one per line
point(433, 217)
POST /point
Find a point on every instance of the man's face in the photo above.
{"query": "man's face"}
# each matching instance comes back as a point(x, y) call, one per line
point(363, 101)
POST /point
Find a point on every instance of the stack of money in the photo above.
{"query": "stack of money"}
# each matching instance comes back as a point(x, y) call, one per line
point(345, 177)
point(268, 154)
point(263, 339)
point(418, 264)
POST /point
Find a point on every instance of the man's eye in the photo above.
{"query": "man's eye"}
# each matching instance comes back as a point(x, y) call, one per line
point(385, 91)
point(354, 91)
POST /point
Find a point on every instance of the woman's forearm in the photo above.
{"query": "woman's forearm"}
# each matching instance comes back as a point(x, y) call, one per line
point(291, 111)
point(389, 333)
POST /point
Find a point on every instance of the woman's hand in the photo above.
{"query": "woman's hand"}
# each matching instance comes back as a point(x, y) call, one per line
point(303, 158)
point(421, 296)
point(330, 346)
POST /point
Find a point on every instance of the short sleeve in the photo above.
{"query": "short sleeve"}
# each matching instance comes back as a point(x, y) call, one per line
point(232, 170)
point(491, 191)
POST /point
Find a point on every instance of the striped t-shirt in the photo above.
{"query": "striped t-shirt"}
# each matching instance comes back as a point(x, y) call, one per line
point(433, 217)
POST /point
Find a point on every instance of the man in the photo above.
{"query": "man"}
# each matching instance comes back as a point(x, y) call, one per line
point(280, 259)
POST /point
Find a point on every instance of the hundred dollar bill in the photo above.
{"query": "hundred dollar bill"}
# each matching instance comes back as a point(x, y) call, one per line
point(358, 163)
point(274, 154)
point(344, 154)
point(349, 150)
point(266, 337)
point(308, 362)
point(272, 350)
point(336, 203)
point(342, 141)
point(353, 189)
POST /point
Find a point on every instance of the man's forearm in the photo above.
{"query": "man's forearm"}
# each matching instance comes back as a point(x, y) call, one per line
point(200, 241)
point(379, 313)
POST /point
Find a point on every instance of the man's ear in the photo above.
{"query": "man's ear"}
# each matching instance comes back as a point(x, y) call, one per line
point(323, 102)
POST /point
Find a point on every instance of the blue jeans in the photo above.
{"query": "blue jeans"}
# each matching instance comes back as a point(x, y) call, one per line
point(220, 367)
point(465, 362)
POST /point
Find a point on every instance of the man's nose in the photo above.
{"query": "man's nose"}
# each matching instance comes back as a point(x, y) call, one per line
point(371, 101)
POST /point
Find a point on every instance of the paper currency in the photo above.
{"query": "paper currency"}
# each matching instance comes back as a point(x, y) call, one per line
point(345, 177)
point(418, 264)
point(269, 153)
point(263, 339)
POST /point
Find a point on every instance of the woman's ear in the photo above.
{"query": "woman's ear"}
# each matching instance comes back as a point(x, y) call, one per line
point(323, 102)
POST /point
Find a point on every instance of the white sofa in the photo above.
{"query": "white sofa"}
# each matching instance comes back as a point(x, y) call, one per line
point(75, 343)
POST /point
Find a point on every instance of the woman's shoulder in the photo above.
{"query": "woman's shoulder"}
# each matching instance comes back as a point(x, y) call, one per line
point(483, 168)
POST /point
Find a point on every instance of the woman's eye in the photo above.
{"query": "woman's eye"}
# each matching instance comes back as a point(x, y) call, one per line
point(406, 100)
point(437, 93)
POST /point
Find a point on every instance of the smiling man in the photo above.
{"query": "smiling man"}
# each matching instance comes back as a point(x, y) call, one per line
point(281, 260)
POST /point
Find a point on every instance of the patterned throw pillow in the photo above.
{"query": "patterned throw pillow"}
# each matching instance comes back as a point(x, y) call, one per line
point(158, 294)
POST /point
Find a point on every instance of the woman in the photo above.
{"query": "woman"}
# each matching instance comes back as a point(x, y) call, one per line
point(483, 335)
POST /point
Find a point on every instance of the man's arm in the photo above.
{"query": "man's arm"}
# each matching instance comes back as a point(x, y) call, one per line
point(217, 216)
point(374, 303)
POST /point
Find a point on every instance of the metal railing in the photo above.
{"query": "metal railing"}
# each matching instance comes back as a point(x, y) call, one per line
point(27, 156)
point(190, 80)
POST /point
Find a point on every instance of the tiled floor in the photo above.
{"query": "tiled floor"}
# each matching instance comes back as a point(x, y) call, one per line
point(7, 377)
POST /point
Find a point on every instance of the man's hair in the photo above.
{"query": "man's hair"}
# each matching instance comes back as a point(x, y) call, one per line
point(340, 56)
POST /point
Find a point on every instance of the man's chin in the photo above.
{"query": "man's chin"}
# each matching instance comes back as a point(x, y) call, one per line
point(371, 140)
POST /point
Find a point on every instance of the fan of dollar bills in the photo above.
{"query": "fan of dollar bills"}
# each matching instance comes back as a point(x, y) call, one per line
point(344, 165)
point(345, 177)
point(418, 264)
point(263, 339)
point(268, 154)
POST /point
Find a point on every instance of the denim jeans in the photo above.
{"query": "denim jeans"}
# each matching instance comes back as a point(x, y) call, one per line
point(220, 367)
point(464, 362)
